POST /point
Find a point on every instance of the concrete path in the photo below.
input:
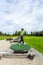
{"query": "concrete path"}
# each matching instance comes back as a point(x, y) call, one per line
point(4, 47)
point(38, 54)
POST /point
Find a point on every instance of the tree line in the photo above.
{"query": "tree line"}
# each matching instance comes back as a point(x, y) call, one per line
point(40, 33)
point(17, 33)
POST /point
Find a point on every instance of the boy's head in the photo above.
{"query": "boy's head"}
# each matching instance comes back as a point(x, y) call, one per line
point(22, 29)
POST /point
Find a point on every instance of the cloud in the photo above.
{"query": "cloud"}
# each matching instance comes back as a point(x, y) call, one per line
point(15, 14)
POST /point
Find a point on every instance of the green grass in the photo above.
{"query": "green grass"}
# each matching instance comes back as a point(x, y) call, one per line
point(5, 37)
point(36, 42)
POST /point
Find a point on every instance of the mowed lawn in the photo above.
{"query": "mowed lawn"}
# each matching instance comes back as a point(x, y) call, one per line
point(35, 41)
point(5, 37)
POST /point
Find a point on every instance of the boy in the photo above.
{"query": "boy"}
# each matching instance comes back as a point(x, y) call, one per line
point(21, 35)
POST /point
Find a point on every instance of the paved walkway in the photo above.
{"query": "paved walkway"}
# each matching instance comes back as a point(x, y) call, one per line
point(4, 46)
point(38, 54)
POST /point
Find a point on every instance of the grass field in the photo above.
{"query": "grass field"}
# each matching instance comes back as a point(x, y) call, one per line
point(5, 37)
point(35, 41)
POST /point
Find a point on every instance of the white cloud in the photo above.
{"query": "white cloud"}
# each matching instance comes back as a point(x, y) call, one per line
point(15, 14)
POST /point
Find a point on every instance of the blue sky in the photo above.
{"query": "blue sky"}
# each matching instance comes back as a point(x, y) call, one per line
point(17, 14)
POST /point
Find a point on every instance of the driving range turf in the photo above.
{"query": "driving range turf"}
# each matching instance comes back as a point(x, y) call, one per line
point(34, 41)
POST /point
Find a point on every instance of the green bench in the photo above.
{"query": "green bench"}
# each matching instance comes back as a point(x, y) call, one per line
point(20, 48)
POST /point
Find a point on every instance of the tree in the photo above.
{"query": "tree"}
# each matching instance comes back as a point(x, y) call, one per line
point(1, 33)
point(16, 32)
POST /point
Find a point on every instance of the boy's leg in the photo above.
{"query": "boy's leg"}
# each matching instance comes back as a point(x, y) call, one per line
point(22, 39)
